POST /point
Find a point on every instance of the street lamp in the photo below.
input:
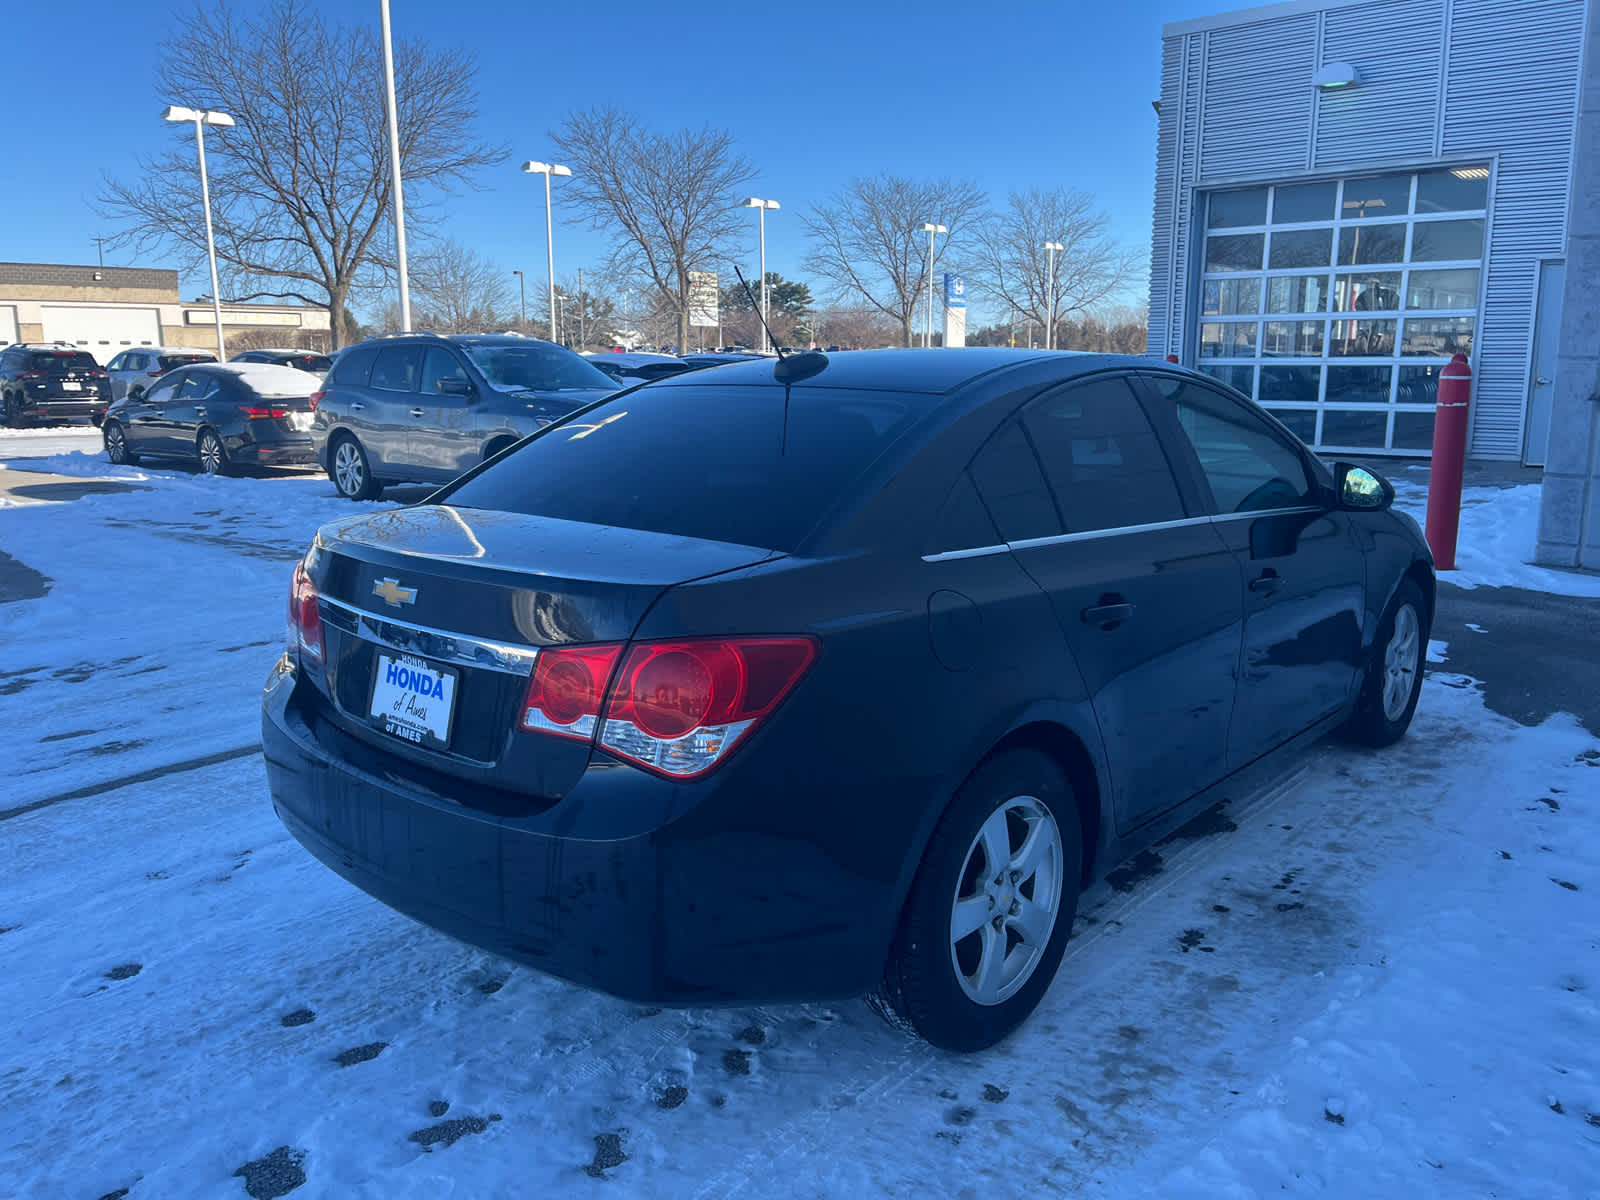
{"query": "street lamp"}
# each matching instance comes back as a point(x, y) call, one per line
point(548, 169)
point(1050, 295)
point(763, 205)
point(930, 230)
point(394, 165)
point(522, 289)
point(222, 120)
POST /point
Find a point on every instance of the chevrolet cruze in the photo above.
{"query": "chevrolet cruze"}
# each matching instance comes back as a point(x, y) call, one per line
point(813, 678)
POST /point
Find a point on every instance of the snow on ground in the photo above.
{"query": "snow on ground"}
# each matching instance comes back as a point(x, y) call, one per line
point(1379, 978)
point(1496, 542)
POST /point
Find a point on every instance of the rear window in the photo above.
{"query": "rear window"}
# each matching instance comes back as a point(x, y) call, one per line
point(64, 360)
point(309, 362)
point(706, 462)
point(169, 361)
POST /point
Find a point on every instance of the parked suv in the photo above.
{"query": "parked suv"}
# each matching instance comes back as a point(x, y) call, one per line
point(418, 406)
point(133, 371)
point(53, 381)
point(301, 360)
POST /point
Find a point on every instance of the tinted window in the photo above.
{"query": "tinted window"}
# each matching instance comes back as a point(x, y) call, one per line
point(536, 365)
point(1101, 457)
point(397, 368)
point(169, 361)
point(194, 386)
point(65, 360)
point(1011, 484)
point(354, 366)
point(708, 461)
point(963, 522)
point(165, 390)
point(439, 364)
point(1247, 464)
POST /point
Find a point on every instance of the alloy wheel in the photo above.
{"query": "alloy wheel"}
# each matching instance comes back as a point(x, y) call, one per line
point(349, 472)
point(1006, 902)
point(211, 456)
point(116, 444)
point(1401, 661)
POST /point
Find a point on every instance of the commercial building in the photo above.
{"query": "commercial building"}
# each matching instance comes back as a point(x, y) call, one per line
point(106, 310)
point(1349, 192)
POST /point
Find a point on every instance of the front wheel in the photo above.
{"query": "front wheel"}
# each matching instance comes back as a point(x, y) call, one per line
point(117, 445)
point(213, 454)
point(351, 473)
point(991, 909)
point(12, 412)
point(1393, 682)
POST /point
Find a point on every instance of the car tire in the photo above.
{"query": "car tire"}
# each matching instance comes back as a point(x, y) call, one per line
point(116, 442)
point(12, 413)
point(212, 453)
point(350, 471)
point(1393, 680)
point(966, 990)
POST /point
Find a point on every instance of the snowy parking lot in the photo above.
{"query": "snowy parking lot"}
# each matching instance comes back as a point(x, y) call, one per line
point(1380, 977)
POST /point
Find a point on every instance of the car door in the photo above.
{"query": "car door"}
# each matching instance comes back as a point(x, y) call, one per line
point(143, 417)
point(443, 441)
point(384, 408)
point(189, 410)
point(1300, 563)
point(1145, 593)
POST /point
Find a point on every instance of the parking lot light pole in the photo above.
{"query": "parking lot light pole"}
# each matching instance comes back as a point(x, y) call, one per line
point(522, 290)
point(1050, 295)
point(548, 169)
point(930, 230)
point(394, 166)
point(762, 205)
point(201, 118)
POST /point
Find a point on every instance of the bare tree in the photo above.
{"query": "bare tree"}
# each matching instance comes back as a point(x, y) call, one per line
point(858, 326)
point(315, 340)
point(457, 290)
point(300, 186)
point(869, 242)
point(666, 198)
point(1014, 265)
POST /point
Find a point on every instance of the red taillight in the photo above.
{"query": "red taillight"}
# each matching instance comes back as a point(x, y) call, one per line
point(263, 412)
point(157, 373)
point(568, 689)
point(305, 619)
point(316, 399)
point(30, 374)
point(677, 708)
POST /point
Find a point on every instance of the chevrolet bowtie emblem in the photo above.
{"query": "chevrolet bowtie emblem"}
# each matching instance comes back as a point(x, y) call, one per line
point(393, 594)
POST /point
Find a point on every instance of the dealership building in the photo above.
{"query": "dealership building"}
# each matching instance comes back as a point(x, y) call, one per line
point(106, 310)
point(1349, 192)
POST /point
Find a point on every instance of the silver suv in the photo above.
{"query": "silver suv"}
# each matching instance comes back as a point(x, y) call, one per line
point(424, 408)
point(133, 371)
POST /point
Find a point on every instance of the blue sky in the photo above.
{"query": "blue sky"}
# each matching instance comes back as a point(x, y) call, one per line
point(1015, 95)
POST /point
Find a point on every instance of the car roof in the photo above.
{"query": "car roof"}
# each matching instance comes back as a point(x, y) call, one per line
point(290, 350)
point(932, 371)
point(259, 375)
point(498, 339)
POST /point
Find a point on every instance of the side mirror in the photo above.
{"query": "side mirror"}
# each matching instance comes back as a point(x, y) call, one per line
point(1361, 490)
point(454, 385)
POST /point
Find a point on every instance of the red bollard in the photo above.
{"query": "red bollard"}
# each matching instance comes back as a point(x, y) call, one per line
point(1449, 459)
point(1172, 358)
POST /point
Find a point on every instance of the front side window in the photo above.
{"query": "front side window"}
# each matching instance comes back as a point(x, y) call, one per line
point(440, 365)
point(166, 390)
point(1101, 458)
point(396, 368)
point(1247, 464)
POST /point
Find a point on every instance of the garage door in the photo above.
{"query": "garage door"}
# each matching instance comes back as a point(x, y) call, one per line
point(8, 324)
point(103, 332)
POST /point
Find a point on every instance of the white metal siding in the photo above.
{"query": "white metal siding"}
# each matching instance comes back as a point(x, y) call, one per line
point(1447, 81)
point(103, 332)
point(8, 324)
point(1392, 112)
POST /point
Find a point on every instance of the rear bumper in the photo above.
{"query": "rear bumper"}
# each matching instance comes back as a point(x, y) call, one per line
point(275, 451)
point(697, 905)
point(54, 408)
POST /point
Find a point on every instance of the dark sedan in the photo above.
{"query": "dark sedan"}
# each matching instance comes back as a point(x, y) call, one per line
point(221, 415)
point(830, 677)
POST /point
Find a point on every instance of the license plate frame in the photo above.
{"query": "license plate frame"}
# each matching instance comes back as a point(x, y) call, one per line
point(399, 716)
point(301, 422)
point(71, 385)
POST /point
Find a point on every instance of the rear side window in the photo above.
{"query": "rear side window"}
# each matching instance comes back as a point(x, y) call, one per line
point(715, 462)
point(397, 368)
point(355, 366)
point(1008, 479)
point(1102, 458)
point(65, 360)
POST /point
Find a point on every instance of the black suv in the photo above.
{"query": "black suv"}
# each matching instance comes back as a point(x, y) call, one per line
point(425, 408)
point(43, 382)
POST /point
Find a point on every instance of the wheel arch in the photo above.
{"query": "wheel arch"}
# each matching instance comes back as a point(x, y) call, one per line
point(1066, 749)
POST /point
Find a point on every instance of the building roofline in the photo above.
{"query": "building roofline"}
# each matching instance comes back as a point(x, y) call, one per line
point(1250, 16)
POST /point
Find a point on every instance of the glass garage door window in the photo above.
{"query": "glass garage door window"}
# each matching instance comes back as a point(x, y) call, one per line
point(1336, 304)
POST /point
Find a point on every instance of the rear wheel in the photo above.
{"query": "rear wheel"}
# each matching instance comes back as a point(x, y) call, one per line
point(991, 909)
point(213, 454)
point(351, 473)
point(117, 445)
point(1393, 682)
point(12, 411)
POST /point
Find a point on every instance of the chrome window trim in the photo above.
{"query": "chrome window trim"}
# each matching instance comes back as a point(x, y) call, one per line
point(428, 642)
point(1117, 531)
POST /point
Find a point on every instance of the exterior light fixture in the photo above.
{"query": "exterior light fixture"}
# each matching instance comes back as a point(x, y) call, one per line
point(1335, 75)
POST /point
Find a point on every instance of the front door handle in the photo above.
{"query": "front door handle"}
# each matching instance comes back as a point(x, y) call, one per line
point(1542, 381)
point(1108, 614)
point(1266, 583)
point(356, 406)
point(418, 412)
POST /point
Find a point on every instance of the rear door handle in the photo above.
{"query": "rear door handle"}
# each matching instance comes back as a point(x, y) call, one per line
point(356, 406)
point(1266, 583)
point(1107, 615)
point(419, 412)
